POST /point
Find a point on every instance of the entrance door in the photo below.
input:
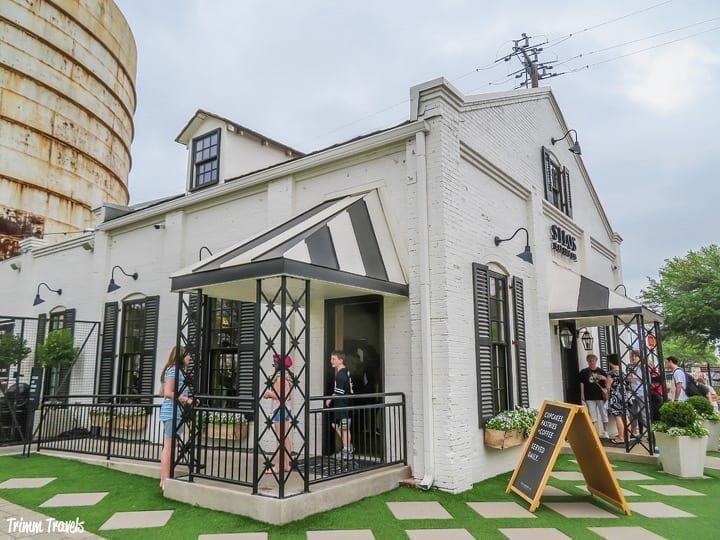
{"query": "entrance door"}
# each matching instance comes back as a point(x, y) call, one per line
point(354, 326)
point(570, 366)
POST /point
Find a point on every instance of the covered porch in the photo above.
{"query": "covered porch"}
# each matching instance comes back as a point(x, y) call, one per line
point(274, 307)
point(581, 307)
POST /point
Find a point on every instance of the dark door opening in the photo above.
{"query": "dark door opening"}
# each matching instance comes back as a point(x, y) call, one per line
point(354, 325)
point(570, 365)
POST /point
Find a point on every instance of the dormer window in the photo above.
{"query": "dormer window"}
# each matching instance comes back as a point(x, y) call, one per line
point(206, 159)
point(557, 183)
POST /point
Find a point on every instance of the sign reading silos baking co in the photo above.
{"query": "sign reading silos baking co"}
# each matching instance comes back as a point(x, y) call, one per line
point(563, 242)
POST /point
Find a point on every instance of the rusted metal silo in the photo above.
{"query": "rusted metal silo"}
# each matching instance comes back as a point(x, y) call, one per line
point(67, 98)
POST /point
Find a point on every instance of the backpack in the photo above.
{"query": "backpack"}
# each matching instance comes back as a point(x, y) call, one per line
point(691, 387)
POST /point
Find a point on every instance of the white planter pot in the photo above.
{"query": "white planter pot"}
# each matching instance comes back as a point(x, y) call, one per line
point(682, 456)
point(714, 439)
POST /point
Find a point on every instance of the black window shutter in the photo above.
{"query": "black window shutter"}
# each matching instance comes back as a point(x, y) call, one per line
point(566, 191)
point(63, 388)
point(40, 334)
point(547, 175)
point(483, 344)
point(520, 340)
point(147, 362)
point(107, 351)
point(602, 345)
point(246, 352)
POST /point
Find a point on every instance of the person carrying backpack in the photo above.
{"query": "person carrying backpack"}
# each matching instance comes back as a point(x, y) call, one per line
point(680, 380)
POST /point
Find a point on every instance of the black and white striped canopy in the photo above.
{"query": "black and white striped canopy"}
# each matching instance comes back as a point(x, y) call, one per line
point(344, 241)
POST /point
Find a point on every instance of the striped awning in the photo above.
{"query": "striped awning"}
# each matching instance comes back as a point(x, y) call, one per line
point(574, 296)
point(344, 241)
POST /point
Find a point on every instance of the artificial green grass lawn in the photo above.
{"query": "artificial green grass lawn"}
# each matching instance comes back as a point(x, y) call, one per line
point(129, 492)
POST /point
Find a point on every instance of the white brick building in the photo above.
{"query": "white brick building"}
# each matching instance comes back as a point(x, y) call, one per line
point(438, 189)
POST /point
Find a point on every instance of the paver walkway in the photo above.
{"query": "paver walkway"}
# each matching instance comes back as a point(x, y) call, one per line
point(17, 522)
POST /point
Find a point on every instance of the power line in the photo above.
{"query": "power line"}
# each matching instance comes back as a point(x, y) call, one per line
point(565, 61)
point(616, 19)
point(588, 66)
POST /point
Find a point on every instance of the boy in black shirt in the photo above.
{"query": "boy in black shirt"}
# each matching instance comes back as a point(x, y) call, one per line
point(343, 387)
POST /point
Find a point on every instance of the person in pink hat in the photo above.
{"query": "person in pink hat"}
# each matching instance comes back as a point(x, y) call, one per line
point(281, 416)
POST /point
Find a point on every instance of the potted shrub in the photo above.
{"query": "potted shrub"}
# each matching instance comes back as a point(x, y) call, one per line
point(226, 425)
point(12, 349)
point(681, 439)
point(509, 428)
point(56, 352)
point(709, 418)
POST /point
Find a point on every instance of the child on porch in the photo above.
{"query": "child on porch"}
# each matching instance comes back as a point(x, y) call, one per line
point(281, 415)
point(343, 387)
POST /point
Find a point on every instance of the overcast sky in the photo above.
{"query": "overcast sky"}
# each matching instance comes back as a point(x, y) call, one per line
point(313, 73)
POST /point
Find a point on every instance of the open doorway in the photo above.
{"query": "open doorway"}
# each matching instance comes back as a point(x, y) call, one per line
point(354, 325)
point(570, 365)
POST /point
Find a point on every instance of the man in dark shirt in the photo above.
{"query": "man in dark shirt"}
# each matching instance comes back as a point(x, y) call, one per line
point(343, 387)
point(592, 392)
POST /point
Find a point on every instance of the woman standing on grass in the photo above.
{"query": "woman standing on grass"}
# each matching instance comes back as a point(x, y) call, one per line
point(167, 389)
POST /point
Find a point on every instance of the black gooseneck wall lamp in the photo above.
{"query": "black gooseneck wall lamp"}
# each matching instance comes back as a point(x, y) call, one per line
point(39, 300)
point(112, 286)
point(624, 288)
point(526, 255)
point(575, 148)
point(201, 252)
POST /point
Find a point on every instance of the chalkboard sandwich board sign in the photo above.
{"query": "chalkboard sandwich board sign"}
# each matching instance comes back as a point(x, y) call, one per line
point(555, 423)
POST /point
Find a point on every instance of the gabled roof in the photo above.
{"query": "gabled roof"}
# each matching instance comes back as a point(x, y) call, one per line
point(344, 241)
point(185, 135)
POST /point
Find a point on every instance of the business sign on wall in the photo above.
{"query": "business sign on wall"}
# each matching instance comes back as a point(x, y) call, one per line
point(563, 242)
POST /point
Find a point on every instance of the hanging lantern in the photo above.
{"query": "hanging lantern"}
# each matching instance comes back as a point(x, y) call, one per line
point(566, 337)
point(587, 341)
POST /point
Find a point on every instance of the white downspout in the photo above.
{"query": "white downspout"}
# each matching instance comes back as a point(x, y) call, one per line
point(425, 322)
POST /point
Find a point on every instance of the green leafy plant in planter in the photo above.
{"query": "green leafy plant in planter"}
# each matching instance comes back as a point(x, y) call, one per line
point(681, 439)
point(709, 419)
point(226, 425)
point(132, 418)
point(678, 419)
point(509, 428)
point(12, 349)
point(58, 350)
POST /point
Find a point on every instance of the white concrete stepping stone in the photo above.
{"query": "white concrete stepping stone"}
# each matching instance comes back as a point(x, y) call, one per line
point(631, 475)
point(534, 533)
point(579, 510)
point(234, 536)
point(418, 510)
point(23, 483)
point(567, 475)
point(623, 533)
point(712, 462)
point(75, 499)
point(626, 492)
point(575, 461)
point(552, 491)
point(500, 510)
point(137, 520)
point(657, 510)
point(672, 490)
point(435, 534)
point(359, 534)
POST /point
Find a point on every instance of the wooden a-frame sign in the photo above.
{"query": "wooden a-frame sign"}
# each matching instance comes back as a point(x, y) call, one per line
point(557, 422)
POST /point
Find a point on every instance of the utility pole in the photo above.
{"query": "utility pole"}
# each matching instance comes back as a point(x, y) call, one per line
point(532, 70)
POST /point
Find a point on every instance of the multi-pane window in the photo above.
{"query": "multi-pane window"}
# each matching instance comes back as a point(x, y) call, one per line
point(132, 344)
point(206, 159)
point(501, 385)
point(232, 332)
point(557, 183)
point(499, 332)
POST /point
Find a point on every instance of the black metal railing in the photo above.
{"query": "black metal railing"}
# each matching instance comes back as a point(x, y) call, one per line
point(377, 435)
point(118, 428)
point(225, 449)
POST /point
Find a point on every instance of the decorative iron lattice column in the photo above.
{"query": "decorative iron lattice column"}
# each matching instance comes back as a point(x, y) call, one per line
point(634, 336)
point(282, 348)
point(191, 308)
